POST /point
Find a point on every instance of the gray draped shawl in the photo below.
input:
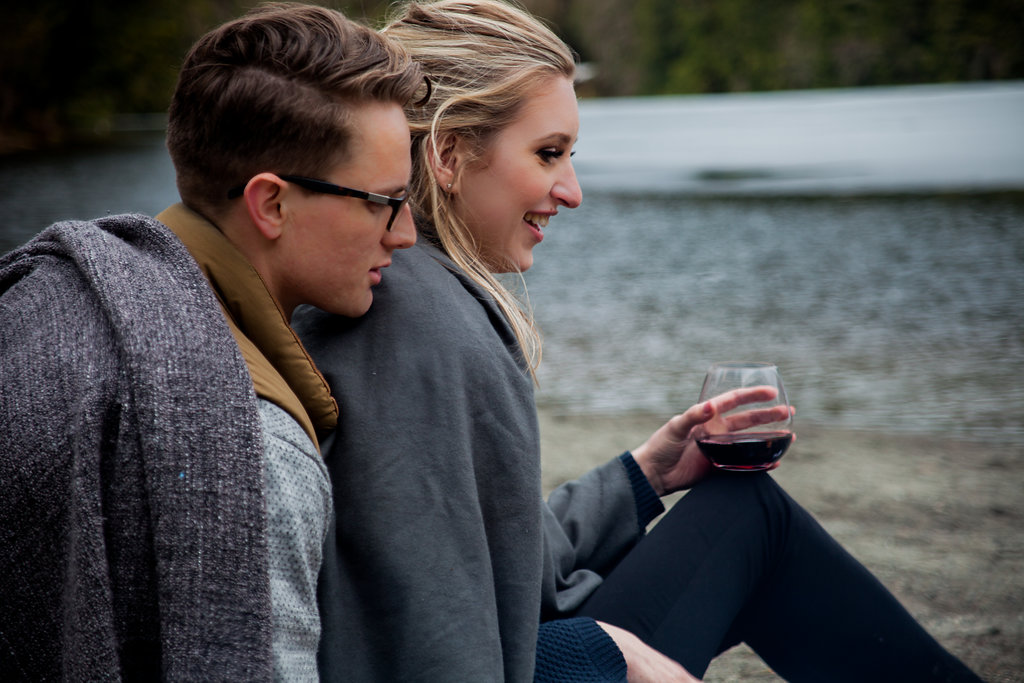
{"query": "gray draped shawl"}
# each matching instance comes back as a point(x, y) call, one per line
point(445, 556)
point(132, 519)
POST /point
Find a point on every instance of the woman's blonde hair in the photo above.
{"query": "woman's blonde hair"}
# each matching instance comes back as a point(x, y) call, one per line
point(483, 58)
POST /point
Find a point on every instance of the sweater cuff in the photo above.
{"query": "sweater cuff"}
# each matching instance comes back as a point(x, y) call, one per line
point(578, 650)
point(648, 504)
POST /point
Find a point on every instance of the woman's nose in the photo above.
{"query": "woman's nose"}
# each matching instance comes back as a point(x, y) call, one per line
point(567, 189)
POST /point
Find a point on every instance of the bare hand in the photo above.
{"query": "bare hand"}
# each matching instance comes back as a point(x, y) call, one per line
point(670, 458)
point(644, 664)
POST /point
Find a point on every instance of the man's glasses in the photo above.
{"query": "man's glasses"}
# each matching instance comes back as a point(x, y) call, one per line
point(324, 187)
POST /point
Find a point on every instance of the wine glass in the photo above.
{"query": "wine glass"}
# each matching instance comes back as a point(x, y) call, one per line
point(752, 436)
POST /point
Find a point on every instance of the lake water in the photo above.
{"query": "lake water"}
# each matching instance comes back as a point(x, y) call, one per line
point(869, 242)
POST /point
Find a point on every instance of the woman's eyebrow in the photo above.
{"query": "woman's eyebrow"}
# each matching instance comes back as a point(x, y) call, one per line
point(560, 138)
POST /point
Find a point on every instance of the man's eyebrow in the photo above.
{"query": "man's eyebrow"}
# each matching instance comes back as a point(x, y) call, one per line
point(396, 191)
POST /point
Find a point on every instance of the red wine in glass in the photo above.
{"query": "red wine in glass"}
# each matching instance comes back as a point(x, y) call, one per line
point(745, 451)
point(730, 441)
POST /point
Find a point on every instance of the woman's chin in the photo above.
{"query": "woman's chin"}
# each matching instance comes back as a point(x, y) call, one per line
point(524, 259)
point(513, 263)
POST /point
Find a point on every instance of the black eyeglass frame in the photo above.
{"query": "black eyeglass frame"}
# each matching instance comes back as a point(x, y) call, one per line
point(324, 187)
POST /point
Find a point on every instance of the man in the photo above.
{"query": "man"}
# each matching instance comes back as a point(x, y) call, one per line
point(164, 502)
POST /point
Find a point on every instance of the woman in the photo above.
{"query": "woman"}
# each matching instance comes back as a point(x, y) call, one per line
point(445, 563)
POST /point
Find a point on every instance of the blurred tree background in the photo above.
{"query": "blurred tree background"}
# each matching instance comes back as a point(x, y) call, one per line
point(73, 69)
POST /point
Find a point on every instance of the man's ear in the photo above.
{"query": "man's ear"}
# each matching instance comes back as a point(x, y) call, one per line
point(445, 162)
point(264, 196)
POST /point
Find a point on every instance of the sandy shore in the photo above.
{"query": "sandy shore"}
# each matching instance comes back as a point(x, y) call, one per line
point(941, 523)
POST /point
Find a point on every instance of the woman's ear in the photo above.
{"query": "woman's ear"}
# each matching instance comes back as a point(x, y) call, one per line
point(445, 162)
point(264, 195)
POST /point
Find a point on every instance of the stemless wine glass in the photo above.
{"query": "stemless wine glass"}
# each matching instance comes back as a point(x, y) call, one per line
point(752, 436)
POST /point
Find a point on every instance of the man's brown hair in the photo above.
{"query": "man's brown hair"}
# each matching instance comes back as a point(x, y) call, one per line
point(271, 91)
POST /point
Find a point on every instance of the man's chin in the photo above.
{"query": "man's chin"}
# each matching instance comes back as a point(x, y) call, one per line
point(353, 308)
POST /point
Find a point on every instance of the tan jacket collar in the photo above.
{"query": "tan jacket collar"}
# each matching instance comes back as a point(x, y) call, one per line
point(277, 360)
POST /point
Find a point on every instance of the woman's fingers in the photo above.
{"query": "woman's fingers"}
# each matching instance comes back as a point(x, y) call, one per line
point(731, 400)
point(683, 424)
point(753, 418)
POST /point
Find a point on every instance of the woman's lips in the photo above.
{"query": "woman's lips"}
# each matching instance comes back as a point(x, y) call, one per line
point(537, 222)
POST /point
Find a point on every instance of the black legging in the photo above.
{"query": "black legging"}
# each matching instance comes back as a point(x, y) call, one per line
point(738, 560)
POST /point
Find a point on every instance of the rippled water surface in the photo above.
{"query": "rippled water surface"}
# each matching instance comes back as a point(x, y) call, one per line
point(899, 313)
point(869, 242)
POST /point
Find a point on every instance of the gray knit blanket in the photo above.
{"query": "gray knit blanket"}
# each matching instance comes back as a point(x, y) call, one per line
point(132, 517)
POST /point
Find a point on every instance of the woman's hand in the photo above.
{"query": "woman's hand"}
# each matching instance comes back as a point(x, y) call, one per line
point(644, 664)
point(671, 459)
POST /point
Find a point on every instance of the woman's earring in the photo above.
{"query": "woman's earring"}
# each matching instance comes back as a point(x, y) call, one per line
point(449, 186)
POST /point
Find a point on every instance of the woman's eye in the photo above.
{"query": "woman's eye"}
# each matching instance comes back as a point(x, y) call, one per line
point(550, 154)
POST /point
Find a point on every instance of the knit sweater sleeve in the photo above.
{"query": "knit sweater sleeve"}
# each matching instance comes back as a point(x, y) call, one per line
point(577, 650)
point(298, 514)
point(648, 504)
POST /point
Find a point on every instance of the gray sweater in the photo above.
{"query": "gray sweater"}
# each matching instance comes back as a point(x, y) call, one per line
point(132, 519)
point(445, 557)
